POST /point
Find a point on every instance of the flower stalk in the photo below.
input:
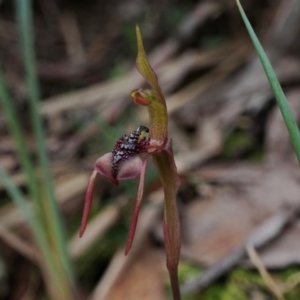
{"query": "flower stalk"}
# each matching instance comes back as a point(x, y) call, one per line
point(129, 159)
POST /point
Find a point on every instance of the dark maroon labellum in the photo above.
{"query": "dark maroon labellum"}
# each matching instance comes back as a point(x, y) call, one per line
point(128, 146)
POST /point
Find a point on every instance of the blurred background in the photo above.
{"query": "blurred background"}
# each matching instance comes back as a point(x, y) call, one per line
point(240, 180)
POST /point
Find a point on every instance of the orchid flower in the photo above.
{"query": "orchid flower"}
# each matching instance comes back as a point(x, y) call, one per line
point(129, 158)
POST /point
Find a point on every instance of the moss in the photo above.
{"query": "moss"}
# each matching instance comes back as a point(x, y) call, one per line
point(239, 284)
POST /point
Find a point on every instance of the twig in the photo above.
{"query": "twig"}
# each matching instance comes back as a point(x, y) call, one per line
point(269, 281)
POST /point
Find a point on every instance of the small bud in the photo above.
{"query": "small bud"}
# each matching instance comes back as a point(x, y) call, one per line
point(141, 96)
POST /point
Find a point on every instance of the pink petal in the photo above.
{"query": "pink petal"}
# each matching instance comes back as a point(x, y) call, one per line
point(137, 207)
point(87, 203)
point(130, 168)
point(103, 167)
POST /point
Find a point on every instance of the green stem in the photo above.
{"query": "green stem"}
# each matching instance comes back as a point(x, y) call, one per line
point(165, 164)
point(158, 120)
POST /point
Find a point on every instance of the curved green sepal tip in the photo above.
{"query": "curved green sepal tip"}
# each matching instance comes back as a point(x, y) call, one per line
point(144, 67)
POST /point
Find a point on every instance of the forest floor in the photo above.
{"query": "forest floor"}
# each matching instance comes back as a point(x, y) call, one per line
point(240, 183)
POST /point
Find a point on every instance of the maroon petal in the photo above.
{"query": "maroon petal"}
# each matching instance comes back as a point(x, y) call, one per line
point(136, 207)
point(87, 203)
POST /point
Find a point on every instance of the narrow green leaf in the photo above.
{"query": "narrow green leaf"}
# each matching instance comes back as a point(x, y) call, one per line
point(277, 90)
point(24, 19)
point(18, 136)
point(28, 168)
point(20, 201)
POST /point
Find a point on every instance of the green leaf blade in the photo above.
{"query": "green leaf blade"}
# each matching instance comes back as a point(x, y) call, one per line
point(282, 102)
point(47, 203)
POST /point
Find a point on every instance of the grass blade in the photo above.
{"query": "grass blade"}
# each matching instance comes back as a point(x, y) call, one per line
point(20, 201)
point(18, 136)
point(284, 107)
point(49, 205)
